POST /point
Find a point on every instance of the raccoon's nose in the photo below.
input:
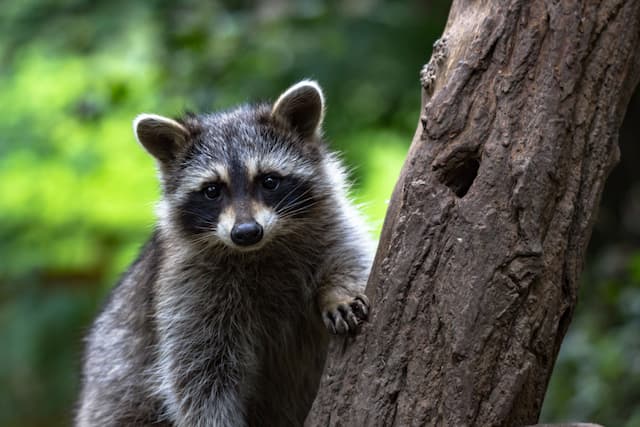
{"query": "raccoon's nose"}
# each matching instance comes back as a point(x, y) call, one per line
point(246, 233)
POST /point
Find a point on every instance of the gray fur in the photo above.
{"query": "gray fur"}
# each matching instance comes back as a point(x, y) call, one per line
point(201, 333)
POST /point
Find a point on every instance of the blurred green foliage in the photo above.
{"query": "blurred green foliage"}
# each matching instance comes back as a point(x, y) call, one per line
point(597, 375)
point(77, 193)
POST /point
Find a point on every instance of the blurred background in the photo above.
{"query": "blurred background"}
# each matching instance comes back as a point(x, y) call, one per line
point(77, 193)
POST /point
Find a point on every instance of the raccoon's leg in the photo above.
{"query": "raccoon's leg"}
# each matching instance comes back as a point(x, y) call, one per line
point(342, 279)
point(208, 383)
point(343, 308)
point(221, 408)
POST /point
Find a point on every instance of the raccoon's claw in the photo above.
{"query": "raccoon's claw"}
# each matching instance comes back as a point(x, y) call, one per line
point(360, 306)
point(347, 315)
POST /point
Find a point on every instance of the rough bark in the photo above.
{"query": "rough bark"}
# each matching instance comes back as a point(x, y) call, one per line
point(477, 270)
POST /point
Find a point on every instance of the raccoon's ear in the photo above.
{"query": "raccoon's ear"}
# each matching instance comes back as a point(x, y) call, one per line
point(302, 107)
point(162, 137)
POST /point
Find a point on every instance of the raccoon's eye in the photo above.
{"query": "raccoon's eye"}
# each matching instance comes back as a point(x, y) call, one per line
point(270, 182)
point(212, 191)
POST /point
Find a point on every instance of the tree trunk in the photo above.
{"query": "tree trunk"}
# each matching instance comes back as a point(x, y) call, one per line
point(477, 270)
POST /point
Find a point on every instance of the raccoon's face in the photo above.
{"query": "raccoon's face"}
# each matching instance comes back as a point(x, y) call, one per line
point(244, 177)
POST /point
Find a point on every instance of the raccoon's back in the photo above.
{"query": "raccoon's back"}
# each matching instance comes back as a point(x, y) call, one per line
point(119, 351)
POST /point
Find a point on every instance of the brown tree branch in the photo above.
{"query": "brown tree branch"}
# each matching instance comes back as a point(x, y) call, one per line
point(476, 275)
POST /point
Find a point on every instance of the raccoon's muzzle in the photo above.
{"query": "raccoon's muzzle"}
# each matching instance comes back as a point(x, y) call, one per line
point(246, 233)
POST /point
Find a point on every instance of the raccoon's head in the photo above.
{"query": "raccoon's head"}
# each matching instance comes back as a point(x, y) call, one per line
point(243, 177)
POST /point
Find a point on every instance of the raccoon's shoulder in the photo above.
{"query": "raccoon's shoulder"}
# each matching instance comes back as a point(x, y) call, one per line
point(145, 268)
point(123, 332)
point(134, 289)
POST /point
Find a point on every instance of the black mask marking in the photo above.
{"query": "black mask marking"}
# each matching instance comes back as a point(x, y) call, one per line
point(200, 215)
point(292, 196)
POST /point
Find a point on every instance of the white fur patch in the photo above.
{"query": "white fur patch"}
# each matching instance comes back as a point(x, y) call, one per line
point(198, 177)
point(253, 169)
point(282, 164)
point(226, 222)
point(268, 219)
point(296, 87)
point(157, 121)
point(156, 118)
point(277, 162)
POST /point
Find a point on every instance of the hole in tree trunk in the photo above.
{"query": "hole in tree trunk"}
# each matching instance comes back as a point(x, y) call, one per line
point(460, 174)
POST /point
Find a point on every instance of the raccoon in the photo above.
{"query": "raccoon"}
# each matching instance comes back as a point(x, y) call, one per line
point(258, 257)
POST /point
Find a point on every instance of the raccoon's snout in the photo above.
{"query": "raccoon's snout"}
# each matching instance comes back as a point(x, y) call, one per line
point(246, 233)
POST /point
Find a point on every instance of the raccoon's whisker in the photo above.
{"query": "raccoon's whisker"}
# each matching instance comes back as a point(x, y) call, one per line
point(194, 213)
point(289, 193)
point(203, 238)
point(206, 224)
point(302, 205)
point(298, 201)
point(301, 196)
point(298, 207)
point(294, 212)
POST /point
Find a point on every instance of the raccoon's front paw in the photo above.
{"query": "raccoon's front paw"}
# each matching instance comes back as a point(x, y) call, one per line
point(344, 315)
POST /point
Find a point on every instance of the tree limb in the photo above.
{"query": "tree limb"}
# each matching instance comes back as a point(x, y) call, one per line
point(476, 276)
